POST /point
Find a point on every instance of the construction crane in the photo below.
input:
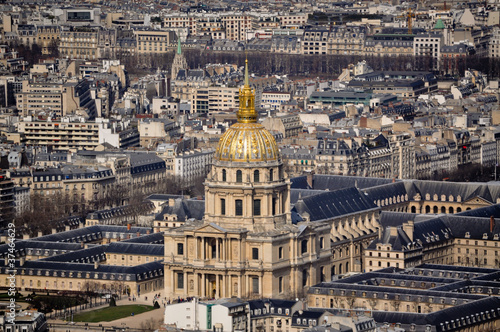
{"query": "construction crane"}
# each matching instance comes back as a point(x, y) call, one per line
point(409, 15)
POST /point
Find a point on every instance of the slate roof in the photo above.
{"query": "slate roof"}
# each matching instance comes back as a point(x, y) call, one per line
point(333, 204)
point(184, 209)
point(110, 272)
point(154, 238)
point(136, 249)
point(334, 182)
point(296, 194)
point(89, 255)
point(477, 309)
point(30, 247)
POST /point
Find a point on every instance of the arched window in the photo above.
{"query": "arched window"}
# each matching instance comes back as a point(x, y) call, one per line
point(239, 176)
point(271, 175)
point(256, 176)
point(224, 178)
point(450, 210)
point(346, 267)
point(413, 209)
point(333, 270)
point(435, 209)
point(304, 278)
point(443, 209)
point(427, 209)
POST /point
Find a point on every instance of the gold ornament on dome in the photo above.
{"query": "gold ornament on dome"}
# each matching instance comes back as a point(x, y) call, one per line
point(246, 140)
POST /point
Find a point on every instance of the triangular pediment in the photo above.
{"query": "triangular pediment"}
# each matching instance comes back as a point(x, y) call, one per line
point(211, 228)
point(477, 200)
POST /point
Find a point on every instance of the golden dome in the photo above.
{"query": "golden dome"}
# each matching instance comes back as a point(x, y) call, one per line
point(247, 140)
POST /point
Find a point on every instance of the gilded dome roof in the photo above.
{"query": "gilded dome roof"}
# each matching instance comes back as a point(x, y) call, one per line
point(247, 140)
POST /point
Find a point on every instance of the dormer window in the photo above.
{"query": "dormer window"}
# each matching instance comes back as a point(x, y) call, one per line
point(467, 235)
point(485, 236)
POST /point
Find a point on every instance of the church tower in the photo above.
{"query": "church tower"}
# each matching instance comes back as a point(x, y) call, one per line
point(179, 61)
point(246, 186)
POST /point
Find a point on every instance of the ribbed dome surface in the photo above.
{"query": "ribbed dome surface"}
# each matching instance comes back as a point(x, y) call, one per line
point(247, 142)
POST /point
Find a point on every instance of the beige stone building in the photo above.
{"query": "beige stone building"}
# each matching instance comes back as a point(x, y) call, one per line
point(53, 96)
point(77, 261)
point(80, 43)
point(247, 245)
point(61, 135)
point(152, 41)
point(48, 37)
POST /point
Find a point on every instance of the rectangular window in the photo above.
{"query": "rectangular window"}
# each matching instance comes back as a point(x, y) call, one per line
point(274, 206)
point(280, 282)
point(180, 280)
point(223, 206)
point(238, 206)
point(256, 207)
point(255, 253)
point(280, 252)
point(255, 285)
point(180, 248)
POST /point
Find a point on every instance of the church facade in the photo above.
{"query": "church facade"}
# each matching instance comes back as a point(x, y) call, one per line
point(247, 245)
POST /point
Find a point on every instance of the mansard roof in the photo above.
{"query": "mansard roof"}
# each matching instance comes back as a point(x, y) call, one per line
point(332, 204)
point(184, 209)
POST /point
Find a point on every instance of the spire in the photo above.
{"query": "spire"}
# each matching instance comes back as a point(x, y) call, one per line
point(179, 50)
point(246, 112)
point(247, 82)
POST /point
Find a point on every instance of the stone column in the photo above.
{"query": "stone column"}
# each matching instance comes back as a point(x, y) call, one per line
point(239, 286)
point(185, 284)
point(203, 285)
point(224, 286)
point(197, 250)
point(217, 286)
point(172, 282)
point(203, 249)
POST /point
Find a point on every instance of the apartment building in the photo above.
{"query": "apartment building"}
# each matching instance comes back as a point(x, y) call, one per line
point(386, 44)
point(27, 34)
point(237, 25)
point(55, 98)
point(48, 37)
point(153, 41)
point(494, 43)
point(181, 21)
point(210, 26)
point(402, 147)
point(154, 131)
point(288, 125)
point(193, 165)
point(65, 134)
point(346, 40)
point(428, 44)
point(80, 43)
point(7, 208)
point(294, 19)
point(206, 99)
point(315, 41)
point(80, 184)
